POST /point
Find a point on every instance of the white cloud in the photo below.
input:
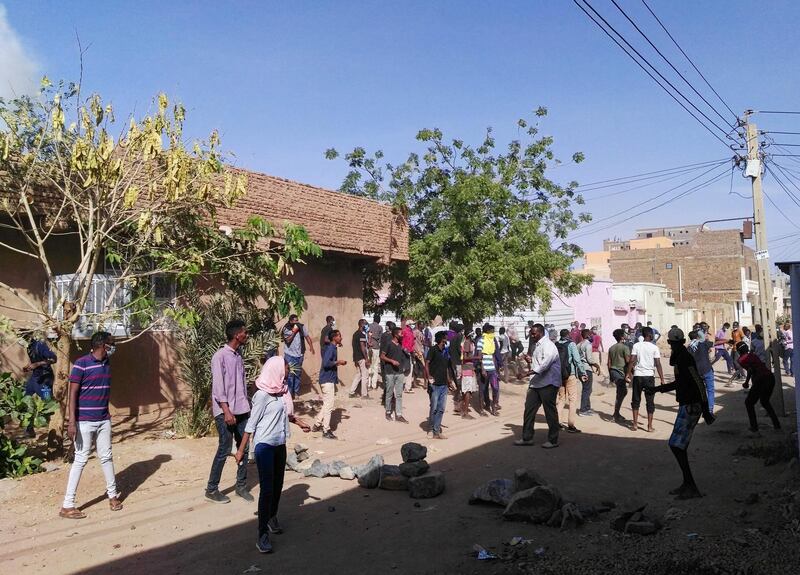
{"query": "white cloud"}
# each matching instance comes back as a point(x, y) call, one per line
point(19, 71)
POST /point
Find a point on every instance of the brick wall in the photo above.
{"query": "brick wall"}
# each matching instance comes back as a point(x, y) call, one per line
point(710, 267)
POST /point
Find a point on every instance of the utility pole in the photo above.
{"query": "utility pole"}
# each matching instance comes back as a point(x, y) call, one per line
point(765, 302)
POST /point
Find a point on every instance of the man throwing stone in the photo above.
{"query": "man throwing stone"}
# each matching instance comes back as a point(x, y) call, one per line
point(690, 391)
point(543, 389)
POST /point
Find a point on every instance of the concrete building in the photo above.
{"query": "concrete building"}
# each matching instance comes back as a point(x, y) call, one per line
point(716, 268)
point(678, 235)
point(593, 306)
point(353, 233)
point(642, 302)
point(781, 293)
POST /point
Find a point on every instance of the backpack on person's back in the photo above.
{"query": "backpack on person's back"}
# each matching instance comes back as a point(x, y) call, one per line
point(563, 356)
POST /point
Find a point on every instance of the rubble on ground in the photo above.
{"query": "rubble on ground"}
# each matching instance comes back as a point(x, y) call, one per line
point(529, 498)
point(413, 475)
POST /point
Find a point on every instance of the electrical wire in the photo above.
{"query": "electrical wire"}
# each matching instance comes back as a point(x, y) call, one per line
point(789, 177)
point(784, 133)
point(628, 216)
point(696, 69)
point(638, 177)
point(642, 186)
point(593, 19)
point(783, 186)
point(780, 211)
point(774, 112)
point(671, 65)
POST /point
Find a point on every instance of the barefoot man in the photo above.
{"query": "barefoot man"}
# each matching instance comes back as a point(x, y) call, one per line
point(645, 360)
point(690, 391)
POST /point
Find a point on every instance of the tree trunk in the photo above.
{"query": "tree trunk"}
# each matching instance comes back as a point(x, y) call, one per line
point(60, 389)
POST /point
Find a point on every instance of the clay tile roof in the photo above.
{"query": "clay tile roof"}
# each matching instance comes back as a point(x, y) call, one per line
point(337, 221)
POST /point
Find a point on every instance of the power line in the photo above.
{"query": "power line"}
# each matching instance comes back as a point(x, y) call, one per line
point(696, 69)
point(629, 216)
point(671, 65)
point(655, 172)
point(789, 192)
point(652, 199)
point(780, 211)
point(592, 18)
point(785, 144)
point(642, 186)
point(776, 132)
point(664, 174)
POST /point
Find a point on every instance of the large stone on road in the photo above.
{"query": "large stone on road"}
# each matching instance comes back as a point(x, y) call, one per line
point(535, 505)
point(426, 486)
point(527, 479)
point(369, 474)
point(392, 479)
point(414, 468)
point(413, 452)
point(317, 469)
point(494, 492)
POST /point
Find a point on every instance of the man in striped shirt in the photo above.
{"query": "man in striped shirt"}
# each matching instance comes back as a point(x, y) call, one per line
point(89, 420)
point(486, 346)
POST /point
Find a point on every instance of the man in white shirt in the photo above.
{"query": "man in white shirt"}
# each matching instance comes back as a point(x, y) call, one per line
point(543, 389)
point(645, 360)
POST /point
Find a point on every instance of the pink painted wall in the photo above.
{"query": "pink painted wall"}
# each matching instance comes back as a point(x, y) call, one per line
point(595, 301)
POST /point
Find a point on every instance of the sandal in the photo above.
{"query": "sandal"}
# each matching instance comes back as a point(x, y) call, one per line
point(114, 504)
point(71, 513)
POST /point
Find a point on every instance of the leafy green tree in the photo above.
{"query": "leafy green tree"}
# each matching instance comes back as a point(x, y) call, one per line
point(134, 201)
point(488, 228)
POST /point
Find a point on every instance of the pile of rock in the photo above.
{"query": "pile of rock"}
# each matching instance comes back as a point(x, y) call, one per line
point(300, 461)
point(529, 498)
point(635, 521)
point(413, 475)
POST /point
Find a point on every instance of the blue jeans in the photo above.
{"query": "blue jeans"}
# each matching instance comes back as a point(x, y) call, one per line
point(787, 361)
point(271, 462)
point(723, 353)
point(438, 395)
point(227, 434)
point(708, 378)
point(586, 392)
point(295, 371)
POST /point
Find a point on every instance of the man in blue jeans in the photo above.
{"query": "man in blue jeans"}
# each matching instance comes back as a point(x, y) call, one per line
point(699, 346)
point(231, 408)
point(436, 368)
point(295, 339)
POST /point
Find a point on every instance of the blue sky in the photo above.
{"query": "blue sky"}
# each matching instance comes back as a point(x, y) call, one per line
point(283, 81)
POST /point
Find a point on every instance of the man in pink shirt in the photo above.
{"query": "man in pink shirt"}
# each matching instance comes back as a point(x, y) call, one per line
point(575, 333)
point(407, 344)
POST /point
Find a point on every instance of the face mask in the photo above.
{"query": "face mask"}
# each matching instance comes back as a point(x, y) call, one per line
point(333, 323)
point(110, 349)
point(411, 325)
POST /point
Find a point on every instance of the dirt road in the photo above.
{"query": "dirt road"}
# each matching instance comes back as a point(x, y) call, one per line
point(333, 526)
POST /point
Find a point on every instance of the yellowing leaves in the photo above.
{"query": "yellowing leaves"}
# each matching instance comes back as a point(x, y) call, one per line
point(131, 195)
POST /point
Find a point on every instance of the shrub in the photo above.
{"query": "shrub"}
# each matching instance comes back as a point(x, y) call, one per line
point(26, 411)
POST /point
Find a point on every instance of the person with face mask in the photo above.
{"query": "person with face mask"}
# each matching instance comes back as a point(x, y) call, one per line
point(90, 421)
point(690, 391)
point(324, 336)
